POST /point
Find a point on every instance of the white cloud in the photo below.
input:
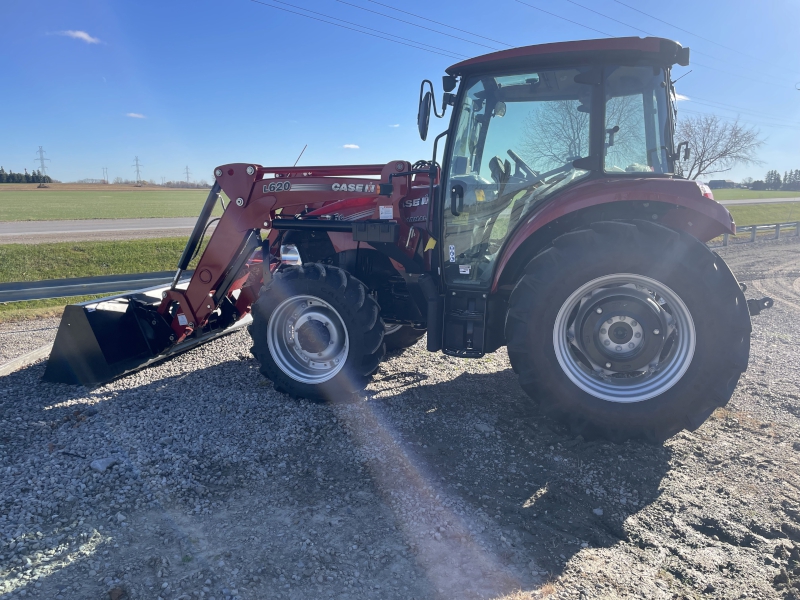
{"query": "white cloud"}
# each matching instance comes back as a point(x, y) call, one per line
point(395, 125)
point(679, 97)
point(79, 35)
point(135, 116)
point(350, 146)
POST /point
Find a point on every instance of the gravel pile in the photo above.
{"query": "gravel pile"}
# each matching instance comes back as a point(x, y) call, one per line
point(195, 479)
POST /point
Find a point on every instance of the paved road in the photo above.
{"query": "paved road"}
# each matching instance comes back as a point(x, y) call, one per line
point(759, 201)
point(33, 232)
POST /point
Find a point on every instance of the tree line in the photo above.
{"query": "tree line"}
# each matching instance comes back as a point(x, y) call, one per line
point(32, 177)
point(773, 181)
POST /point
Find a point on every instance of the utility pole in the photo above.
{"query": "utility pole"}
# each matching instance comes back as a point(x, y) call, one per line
point(41, 159)
point(187, 175)
point(137, 165)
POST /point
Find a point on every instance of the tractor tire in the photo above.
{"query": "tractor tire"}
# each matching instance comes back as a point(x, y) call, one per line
point(400, 337)
point(628, 330)
point(317, 333)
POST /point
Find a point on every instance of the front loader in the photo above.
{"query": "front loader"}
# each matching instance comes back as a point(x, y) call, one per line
point(554, 225)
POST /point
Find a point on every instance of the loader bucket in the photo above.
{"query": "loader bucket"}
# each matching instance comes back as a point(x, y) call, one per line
point(101, 340)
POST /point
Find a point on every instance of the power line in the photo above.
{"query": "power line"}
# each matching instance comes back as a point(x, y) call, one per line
point(694, 63)
point(406, 42)
point(405, 12)
point(697, 35)
point(41, 159)
point(723, 106)
point(455, 37)
point(564, 18)
point(735, 120)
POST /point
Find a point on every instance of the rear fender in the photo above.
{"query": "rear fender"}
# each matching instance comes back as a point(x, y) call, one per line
point(675, 203)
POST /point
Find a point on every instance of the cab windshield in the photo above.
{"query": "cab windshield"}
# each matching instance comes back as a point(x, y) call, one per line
point(517, 140)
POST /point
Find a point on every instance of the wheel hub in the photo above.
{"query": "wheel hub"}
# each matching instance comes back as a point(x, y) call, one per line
point(313, 336)
point(624, 337)
point(307, 339)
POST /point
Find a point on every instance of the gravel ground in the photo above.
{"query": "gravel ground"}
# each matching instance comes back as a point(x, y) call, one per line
point(17, 339)
point(441, 481)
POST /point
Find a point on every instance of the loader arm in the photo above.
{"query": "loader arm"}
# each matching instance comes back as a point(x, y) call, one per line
point(257, 204)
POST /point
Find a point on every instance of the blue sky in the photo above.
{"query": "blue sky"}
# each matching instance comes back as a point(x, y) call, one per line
point(210, 82)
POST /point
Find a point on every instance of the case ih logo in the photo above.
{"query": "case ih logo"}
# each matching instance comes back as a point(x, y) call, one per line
point(369, 188)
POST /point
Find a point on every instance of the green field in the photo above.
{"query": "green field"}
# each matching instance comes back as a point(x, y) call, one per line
point(108, 203)
point(751, 194)
point(758, 214)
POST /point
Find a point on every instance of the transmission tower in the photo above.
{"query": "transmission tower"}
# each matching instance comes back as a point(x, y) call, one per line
point(105, 174)
point(187, 174)
point(41, 159)
point(163, 180)
point(137, 165)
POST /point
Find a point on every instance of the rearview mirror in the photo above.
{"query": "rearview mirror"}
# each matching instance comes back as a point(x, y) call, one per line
point(424, 115)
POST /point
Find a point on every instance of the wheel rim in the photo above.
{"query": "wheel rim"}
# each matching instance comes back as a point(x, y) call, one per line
point(307, 339)
point(624, 338)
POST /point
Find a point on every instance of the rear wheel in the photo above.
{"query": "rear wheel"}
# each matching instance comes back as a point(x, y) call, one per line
point(400, 337)
point(628, 330)
point(317, 332)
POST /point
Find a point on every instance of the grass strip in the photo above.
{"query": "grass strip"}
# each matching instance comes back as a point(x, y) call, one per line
point(752, 194)
point(59, 204)
point(763, 214)
point(34, 262)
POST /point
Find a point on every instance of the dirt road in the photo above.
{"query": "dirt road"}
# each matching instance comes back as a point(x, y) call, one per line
point(442, 481)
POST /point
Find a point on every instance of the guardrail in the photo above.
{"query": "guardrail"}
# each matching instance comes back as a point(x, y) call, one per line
point(756, 229)
point(20, 291)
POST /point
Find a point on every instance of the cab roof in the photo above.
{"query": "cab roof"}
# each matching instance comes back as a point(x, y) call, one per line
point(623, 50)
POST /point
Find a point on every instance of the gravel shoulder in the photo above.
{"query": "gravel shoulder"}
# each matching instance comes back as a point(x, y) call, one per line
point(442, 481)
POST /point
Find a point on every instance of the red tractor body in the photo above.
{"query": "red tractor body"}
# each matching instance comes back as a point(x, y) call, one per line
point(336, 262)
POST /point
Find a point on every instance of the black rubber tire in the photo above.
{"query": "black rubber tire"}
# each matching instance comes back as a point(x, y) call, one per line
point(360, 314)
point(701, 279)
point(403, 338)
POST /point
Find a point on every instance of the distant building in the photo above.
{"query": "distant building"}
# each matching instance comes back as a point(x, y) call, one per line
point(718, 184)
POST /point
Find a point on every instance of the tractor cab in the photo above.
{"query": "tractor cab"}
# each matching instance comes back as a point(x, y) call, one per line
point(527, 125)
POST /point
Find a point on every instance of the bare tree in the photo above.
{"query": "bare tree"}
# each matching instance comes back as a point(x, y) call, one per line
point(555, 133)
point(716, 145)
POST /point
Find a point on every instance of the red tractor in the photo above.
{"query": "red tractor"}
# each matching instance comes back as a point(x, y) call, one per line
point(554, 225)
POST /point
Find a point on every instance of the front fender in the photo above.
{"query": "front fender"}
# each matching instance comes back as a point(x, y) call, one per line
point(683, 204)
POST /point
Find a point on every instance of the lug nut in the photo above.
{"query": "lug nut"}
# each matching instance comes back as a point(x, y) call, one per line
point(618, 348)
point(631, 345)
point(656, 331)
point(603, 330)
point(607, 342)
point(599, 311)
point(610, 321)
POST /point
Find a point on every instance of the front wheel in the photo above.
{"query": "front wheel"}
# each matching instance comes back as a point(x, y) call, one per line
point(628, 330)
point(317, 333)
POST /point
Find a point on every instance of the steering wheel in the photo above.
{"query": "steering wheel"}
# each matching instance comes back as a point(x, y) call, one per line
point(521, 164)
